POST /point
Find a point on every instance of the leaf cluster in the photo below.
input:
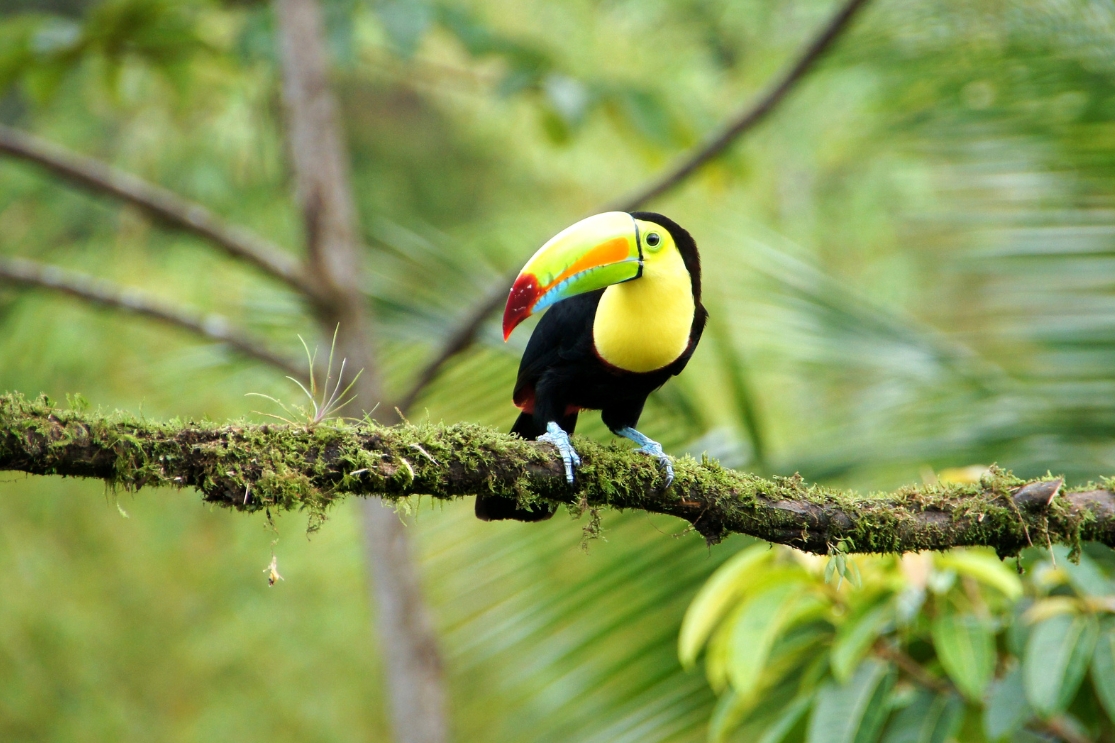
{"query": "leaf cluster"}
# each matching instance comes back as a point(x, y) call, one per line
point(39, 50)
point(565, 99)
point(927, 647)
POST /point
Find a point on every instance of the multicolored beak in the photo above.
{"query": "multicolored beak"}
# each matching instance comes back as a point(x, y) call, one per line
point(592, 254)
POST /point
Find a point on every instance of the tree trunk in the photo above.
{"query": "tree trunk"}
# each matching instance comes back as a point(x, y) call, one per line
point(409, 647)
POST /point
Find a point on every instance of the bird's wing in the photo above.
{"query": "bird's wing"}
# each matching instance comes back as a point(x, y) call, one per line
point(561, 335)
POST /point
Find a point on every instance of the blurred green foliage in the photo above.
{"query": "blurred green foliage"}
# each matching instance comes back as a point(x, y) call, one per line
point(909, 267)
point(915, 649)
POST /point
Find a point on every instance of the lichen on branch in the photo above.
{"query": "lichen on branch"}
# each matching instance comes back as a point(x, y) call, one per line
point(251, 467)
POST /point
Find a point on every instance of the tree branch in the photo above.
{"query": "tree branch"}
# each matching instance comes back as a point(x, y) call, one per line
point(160, 203)
point(320, 165)
point(108, 294)
point(746, 119)
point(252, 467)
point(460, 340)
point(714, 145)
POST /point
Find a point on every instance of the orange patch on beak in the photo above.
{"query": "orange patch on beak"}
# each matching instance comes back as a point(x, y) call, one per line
point(613, 251)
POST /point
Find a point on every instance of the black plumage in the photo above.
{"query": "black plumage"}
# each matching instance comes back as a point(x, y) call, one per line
point(561, 373)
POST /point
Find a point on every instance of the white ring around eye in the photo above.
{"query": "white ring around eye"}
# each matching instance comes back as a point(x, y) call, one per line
point(653, 242)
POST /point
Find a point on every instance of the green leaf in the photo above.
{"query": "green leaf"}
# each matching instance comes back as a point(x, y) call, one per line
point(855, 576)
point(716, 656)
point(930, 718)
point(715, 597)
point(758, 625)
point(1085, 577)
point(730, 708)
point(792, 660)
point(1103, 667)
point(1025, 736)
point(405, 22)
point(1018, 630)
point(479, 39)
point(855, 638)
point(1006, 710)
point(645, 112)
point(965, 646)
point(568, 97)
point(985, 567)
point(786, 721)
point(1056, 658)
point(853, 712)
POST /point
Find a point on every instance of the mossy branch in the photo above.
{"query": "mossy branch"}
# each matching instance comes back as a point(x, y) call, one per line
point(251, 467)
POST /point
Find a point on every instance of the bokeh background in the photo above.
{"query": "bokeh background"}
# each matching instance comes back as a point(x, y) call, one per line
point(910, 266)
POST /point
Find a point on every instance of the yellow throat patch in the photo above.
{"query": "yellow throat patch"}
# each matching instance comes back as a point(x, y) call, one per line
point(643, 325)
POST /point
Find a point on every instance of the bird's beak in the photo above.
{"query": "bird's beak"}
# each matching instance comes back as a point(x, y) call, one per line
point(594, 253)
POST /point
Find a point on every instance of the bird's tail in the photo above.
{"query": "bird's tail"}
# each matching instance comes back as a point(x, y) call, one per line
point(527, 427)
point(490, 508)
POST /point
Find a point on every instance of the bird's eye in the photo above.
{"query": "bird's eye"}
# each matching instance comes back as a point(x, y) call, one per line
point(654, 241)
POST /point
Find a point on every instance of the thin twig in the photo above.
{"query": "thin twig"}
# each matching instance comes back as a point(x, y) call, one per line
point(465, 335)
point(913, 669)
point(108, 294)
point(1059, 728)
point(160, 203)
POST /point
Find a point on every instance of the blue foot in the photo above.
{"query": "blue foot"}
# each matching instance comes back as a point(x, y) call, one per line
point(651, 447)
point(560, 439)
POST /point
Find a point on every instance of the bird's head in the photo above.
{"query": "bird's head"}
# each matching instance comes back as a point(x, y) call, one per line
point(598, 251)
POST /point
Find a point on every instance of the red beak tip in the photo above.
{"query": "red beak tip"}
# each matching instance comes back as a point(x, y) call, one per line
point(511, 320)
point(524, 293)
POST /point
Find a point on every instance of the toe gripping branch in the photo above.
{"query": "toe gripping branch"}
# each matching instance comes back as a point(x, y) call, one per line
point(651, 447)
point(560, 439)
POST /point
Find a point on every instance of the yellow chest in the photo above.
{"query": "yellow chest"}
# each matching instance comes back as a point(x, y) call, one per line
point(643, 325)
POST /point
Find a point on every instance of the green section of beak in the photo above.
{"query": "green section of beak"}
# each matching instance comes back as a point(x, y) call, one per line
point(591, 279)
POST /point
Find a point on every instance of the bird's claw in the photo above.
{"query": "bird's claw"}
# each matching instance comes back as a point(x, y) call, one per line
point(653, 448)
point(560, 439)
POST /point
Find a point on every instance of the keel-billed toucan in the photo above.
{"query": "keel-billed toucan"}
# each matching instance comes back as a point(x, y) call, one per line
point(624, 292)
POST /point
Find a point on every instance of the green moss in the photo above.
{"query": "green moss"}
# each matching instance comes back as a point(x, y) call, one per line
point(252, 467)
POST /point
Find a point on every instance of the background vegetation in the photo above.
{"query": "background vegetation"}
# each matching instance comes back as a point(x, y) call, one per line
point(910, 267)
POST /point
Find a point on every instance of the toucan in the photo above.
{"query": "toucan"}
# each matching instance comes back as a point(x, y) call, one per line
point(625, 314)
